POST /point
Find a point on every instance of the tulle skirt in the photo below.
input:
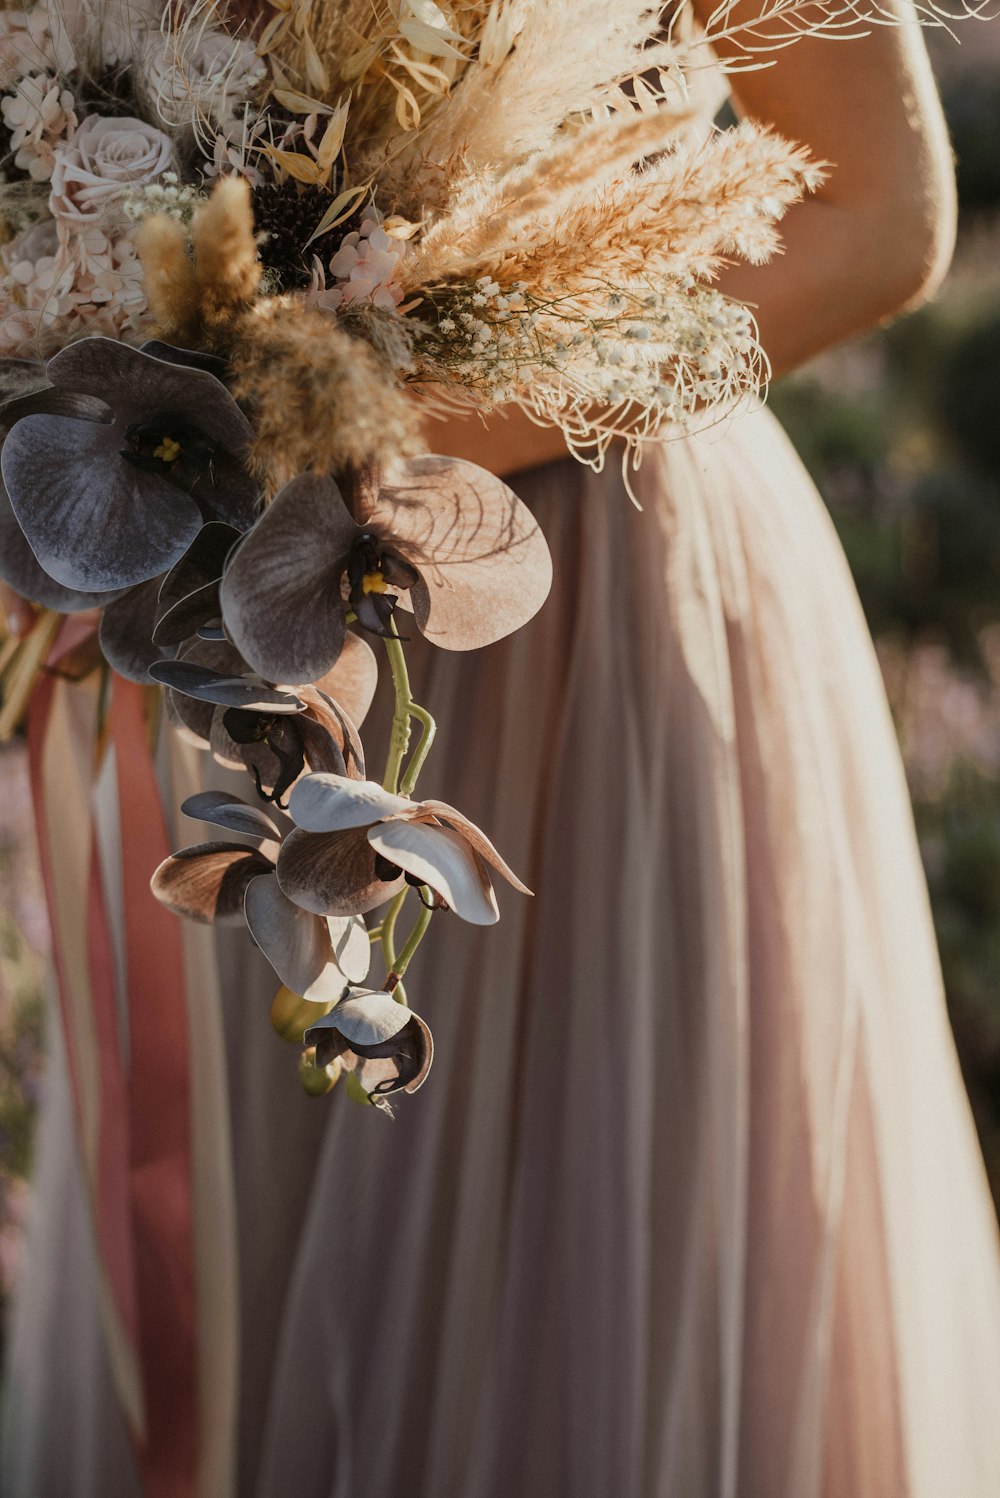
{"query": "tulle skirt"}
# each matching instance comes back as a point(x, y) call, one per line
point(691, 1204)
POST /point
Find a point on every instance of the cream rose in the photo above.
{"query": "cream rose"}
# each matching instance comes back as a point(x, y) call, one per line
point(212, 75)
point(105, 157)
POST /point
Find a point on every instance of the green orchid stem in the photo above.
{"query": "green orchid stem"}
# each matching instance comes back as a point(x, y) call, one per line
point(428, 730)
point(386, 935)
point(399, 741)
point(416, 936)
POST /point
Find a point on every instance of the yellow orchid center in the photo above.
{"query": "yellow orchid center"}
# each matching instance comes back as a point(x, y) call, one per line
point(374, 582)
point(168, 451)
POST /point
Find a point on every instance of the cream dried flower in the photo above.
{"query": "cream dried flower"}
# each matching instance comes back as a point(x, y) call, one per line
point(205, 73)
point(33, 38)
point(39, 115)
point(106, 157)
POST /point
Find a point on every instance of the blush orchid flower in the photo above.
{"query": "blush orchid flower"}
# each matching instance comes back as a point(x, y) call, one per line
point(112, 472)
point(457, 540)
point(225, 883)
point(355, 845)
point(386, 1045)
point(274, 732)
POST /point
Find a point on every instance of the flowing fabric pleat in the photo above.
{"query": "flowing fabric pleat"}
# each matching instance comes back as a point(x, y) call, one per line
point(691, 1205)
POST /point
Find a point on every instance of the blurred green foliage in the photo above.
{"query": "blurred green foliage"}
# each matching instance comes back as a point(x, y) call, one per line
point(902, 433)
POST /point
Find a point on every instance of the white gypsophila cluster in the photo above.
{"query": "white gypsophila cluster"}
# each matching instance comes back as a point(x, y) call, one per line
point(167, 195)
point(39, 115)
point(657, 355)
point(204, 76)
point(367, 267)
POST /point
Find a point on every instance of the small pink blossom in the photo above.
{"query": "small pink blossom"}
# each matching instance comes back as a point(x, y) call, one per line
point(366, 267)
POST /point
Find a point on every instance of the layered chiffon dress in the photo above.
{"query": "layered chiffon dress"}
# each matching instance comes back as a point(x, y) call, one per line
point(691, 1204)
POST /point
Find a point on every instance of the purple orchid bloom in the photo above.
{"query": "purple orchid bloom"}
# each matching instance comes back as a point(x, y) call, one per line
point(117, 465)
point(228, 883)
point(469, 555)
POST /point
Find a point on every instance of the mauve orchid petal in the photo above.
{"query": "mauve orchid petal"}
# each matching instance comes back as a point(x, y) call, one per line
point(127, 633)
point(293, 557)
point(189, 594)
point(442, 859)
point(136, 385)
point(169, 353)
point(221, 809)
point(371, 1025)
point(312, 956)
point(484, 564)
point(19, 568)
point(475, 837)
point(330, 803)
point(207, 882)
point(325, 720)
point(352, 679)
point(98, 512)
point(333, 873)
point(224, 691)
point(94, 522)
point(52, 402)
point(191, 717)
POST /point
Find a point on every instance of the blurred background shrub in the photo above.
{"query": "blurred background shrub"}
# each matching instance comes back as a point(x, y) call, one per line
point(901, 431)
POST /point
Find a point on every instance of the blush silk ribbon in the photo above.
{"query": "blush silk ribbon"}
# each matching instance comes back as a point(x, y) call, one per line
point(132, 1092)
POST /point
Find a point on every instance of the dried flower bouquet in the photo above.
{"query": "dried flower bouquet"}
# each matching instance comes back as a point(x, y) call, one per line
point(243, 255)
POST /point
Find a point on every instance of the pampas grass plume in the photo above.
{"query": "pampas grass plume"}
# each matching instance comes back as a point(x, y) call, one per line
point(320, 400)
point(225, 253)
point(169, 276)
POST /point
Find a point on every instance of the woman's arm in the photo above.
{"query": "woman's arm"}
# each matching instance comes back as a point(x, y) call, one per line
point(874, 240)
point(878, 235)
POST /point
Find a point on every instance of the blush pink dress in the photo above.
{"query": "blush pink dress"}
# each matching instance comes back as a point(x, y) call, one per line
point(691, 1205)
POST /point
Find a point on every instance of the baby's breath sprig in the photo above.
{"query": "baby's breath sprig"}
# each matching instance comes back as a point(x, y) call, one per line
point(179, 200)
point(608, 361)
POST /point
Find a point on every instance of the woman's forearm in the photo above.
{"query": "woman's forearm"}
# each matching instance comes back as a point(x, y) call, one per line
point(878, 235)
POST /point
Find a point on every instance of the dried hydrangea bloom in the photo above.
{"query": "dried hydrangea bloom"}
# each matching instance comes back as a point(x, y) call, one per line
point(115, 494)
point(71, 284)
point(226, 883)
point(33, 37)
point(456, 539)
point(389, 1048)
point(39, 115)
point(367, 267)
point(355, 845)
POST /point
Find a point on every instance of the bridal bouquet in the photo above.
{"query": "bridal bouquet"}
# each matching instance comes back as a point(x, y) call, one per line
point(244, 258)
